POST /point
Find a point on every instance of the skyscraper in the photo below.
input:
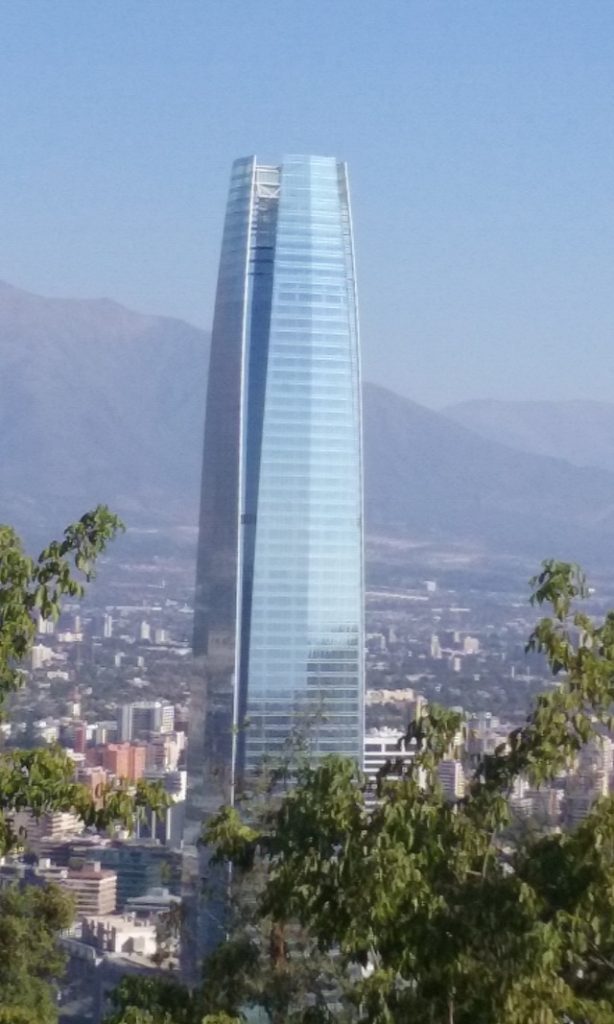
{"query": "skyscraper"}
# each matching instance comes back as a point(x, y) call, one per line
point(279, 588)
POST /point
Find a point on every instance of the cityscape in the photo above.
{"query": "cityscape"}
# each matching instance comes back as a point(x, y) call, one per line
point(306, 523)
point(111, 679)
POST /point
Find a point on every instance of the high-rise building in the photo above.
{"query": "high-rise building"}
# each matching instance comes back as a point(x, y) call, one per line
point(279, 588)
point(141, 717)
point(278, 617)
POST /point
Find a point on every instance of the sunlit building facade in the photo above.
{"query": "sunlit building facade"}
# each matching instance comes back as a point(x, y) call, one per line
point(278, 625)
point(279, 592)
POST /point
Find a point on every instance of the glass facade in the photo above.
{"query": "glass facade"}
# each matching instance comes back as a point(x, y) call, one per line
point(279, 590)
point(278, 624)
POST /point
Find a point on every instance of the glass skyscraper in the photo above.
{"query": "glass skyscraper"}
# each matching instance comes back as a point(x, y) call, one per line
point(279, 588)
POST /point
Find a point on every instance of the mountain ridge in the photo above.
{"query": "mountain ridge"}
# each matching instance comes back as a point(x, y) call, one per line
point(98, 403)
point(579, 430)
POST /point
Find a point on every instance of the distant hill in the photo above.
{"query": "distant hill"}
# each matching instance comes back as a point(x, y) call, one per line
point(429, 476)
point(580, 431)
point(98, 403)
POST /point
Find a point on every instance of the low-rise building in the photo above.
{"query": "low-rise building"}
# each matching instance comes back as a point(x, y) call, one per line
point(93, 887)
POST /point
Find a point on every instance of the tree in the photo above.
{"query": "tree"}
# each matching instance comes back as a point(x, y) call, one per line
point(276, 971)
point(266, 963)
point(30, 961)
point(434, 919)
point(430, 912)
point(42, 780)
point(140, 1000)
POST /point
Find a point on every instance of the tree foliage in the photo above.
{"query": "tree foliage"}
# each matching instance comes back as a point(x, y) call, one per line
point(274, 967)
point(139, 1000)
point(142, 1000)
point(434, 918)
point(425, 907)
point(42, 780)
point(30, 961)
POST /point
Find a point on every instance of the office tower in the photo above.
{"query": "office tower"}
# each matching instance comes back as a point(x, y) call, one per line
point(279, 587)
point(142, 717)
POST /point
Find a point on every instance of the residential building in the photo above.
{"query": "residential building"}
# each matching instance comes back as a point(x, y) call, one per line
point(384, 747)
point(39, 656)
point(452, 778)
point(119, 933)
point(93, 888)
point(53, 825)
point(123, 760)
point(139, 719)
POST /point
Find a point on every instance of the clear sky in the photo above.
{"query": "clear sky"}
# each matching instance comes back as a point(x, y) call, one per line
point(479, 136)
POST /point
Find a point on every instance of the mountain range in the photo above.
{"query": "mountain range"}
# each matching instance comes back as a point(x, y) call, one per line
point(580, 431)
point(98, 403)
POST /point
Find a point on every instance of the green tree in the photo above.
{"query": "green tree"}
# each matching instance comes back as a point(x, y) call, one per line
point(30, 961)
point(430, 913)
point(275, 970)
point(267, 963)
point(138, 1000)
point(434, 918)
point(43, 780)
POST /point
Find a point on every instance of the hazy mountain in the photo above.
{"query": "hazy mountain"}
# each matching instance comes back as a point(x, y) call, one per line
point(98, 403)
point(580, 431)
point(429, 475)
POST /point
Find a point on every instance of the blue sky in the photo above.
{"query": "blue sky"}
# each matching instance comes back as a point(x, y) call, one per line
point(479, 137)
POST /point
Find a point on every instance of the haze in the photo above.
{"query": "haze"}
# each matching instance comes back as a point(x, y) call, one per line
point(479, 139)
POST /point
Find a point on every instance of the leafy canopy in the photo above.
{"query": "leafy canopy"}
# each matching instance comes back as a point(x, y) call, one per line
point(434, 915)
point(432, 911)
point(43, 779)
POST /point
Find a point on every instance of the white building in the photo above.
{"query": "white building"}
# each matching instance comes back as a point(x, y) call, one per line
point(118, 933)
point(39, 656)
point(145, 716)
point(93, 888)
point(382, 746)
point(45, 627)
point(166, 826)
point(452, 778)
